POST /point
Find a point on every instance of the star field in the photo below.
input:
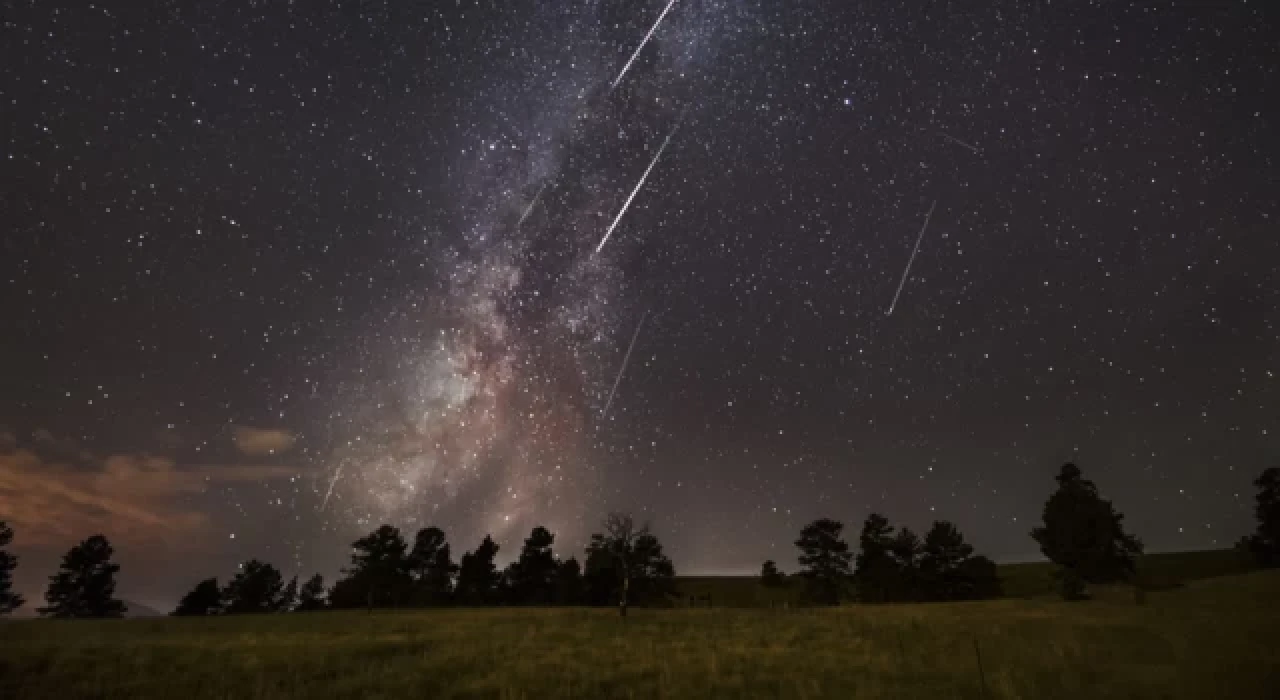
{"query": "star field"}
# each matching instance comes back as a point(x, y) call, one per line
point(275, 273)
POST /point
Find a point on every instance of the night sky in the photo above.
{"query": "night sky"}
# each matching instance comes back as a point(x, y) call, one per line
point(275, 273)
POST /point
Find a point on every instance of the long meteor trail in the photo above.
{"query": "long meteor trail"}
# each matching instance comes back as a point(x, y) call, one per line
point(625, 359)
point(529, 209)
point(955, 140)
point(337, 473)
point(912, 259)
point(641, 46)
point(627, 204)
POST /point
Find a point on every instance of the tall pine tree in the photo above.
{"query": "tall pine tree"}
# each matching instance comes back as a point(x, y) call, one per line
point(1264, 544)
point(824, 560)
point(85, 584)
point(9, 601)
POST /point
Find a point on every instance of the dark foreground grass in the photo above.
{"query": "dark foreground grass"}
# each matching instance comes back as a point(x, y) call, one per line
point(1210, 639)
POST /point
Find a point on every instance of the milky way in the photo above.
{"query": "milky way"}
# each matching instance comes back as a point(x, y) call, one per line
point(299, 269)
point(484, 417)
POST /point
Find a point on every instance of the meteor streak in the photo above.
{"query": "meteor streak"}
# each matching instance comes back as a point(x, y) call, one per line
point(529, 209)
point(640, 184)
point(912, 259)
point(955, 140)
point(641, 46)
point(625, 359)
point(336, 473)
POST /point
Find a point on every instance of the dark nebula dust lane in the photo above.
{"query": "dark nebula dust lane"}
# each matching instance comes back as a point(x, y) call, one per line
point(275, 275)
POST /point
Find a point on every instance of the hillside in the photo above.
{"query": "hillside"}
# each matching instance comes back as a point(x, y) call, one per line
point(1022, 580)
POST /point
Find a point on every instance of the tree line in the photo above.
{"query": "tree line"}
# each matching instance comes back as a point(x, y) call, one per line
point(624, 565)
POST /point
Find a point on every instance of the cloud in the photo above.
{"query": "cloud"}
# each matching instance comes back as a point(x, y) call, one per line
point(259, 442)
point(132, 498)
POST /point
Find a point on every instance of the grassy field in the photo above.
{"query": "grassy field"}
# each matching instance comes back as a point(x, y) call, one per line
point(1210, 638)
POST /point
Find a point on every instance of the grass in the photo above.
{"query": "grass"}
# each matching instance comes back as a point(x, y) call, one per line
point(1211, 638)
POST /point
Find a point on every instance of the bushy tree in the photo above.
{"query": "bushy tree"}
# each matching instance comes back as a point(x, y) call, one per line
point(824, 560)
point(569, 587)
point(894, 567)
point(312, 595)
point(257, 587)
point(1084, 536)
point(601, 573)
point(770, 576)
point(478, 577)
point(204, 599)
point(85, 584)
point(950, 571)
point(626, 565)
point(653, 576)
point(532, 577)
point(431, 566)
point(1264, 543)
point(379, 572)
point(289, 596)
point(9, 601)
point(877, 573)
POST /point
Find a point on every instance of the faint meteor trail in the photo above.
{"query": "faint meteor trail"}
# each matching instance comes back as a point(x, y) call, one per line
point(336, 473)
point(912, 259)
point(529, 209)
point(627, 204)
point(955, 140)
point(625, 359)
point(641, 46)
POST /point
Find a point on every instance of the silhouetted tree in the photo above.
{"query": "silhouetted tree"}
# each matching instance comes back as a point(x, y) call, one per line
point(601, 573)
point(877, 573)
point(653, 576)
point(478, 576)
point(824, 560)
point(906, 550)
point(311, 595)
point(1264, 543)
point(532, 577)
point(257, 587)
point(289, 596)
point(950, 571)
point(626, 565)
point(569, 589)
point(85, 585)
point(204, 599)
point(379, 572)
point(979, 579)
point(432, 567)
point(9, 601)
point(770, 575)
point(1083, 535)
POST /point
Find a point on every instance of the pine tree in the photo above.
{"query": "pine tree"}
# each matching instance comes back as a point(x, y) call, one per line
point(311, 595)
point(431, 567)
point(379, 572)
point(204, 599)
point(1264, 544)
point(824, 560)
point(877, 572)
point(257, 588)
point(85, 584)
point(477, 575)
point(532, 576)
point(9, 601)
